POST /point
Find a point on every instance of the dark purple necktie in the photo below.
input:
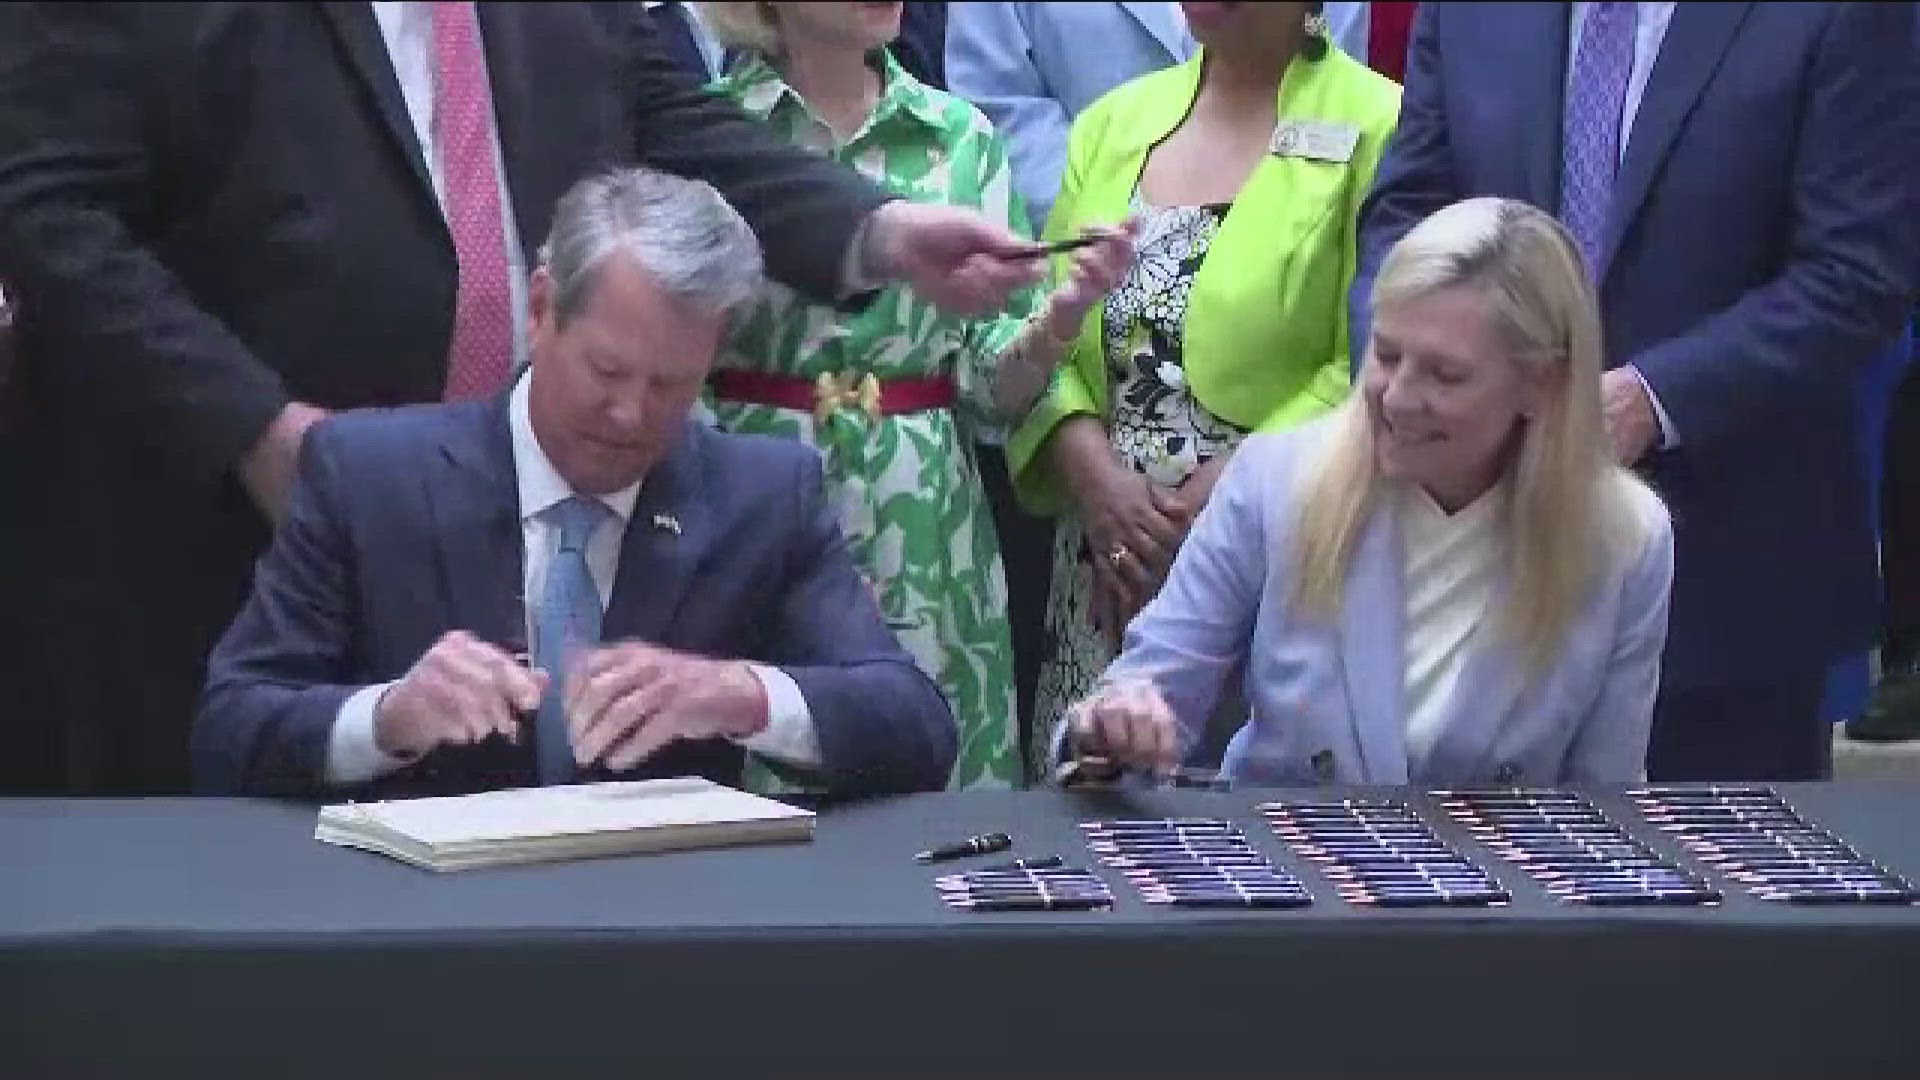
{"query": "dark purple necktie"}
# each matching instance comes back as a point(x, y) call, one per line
point(1591, 128)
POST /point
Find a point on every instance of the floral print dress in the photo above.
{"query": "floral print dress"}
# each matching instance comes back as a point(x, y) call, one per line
point(1157, 428)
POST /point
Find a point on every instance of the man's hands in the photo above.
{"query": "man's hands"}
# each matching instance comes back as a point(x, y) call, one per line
point(627, 701)
point(460, 692)
point(959, 260)
point(624, 702)
point(1631, 423)
point(268, 469)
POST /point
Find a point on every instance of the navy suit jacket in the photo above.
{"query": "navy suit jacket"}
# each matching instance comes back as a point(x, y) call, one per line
point(1762, 248)
point(405, 525)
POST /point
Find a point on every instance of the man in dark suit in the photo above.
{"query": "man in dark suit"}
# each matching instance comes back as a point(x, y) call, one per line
point(1740, 177)
point(687, 594)
point(227, 220)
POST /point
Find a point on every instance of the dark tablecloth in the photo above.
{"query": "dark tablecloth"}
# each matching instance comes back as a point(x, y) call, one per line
point(158, 936)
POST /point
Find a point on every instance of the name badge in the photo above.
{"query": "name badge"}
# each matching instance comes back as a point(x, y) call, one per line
point(1316, 140)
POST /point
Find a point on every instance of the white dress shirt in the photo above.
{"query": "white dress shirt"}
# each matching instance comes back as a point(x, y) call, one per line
point(1450, 561)
point(790, 736)
point(407, 27)
point(1649, 31)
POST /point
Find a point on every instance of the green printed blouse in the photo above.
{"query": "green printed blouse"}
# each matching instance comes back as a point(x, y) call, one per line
point(907, 485)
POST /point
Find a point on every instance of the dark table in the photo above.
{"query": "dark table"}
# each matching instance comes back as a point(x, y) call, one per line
point(183, 937)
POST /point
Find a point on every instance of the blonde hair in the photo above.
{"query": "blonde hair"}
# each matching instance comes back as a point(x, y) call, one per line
point(743, 26)
point(1571, 510)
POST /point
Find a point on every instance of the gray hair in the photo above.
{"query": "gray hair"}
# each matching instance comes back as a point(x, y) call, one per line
point(697, 247)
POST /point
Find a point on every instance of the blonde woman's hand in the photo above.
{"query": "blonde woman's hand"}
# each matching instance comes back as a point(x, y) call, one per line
point(1128, 724)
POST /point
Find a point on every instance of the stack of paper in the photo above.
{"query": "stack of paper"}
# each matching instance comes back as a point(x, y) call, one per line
point(521, 825)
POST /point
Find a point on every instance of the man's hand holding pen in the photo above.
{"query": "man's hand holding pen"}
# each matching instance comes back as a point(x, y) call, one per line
point(624, 702)
point(461, 691)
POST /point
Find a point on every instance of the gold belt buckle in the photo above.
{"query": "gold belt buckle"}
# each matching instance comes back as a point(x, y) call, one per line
point(834, 391)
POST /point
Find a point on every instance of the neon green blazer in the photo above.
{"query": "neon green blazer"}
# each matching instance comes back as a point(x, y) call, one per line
point(1265, 340)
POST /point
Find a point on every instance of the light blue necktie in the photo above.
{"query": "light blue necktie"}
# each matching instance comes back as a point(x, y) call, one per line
point(566, 622)
point(1590, 131)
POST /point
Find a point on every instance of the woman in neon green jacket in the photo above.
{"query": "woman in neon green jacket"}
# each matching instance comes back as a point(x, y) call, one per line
point(1246, 166)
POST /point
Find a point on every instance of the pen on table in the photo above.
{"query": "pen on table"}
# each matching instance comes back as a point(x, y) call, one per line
point(1123, 862)
point(1045, 862)
point(1121, 823)
point(984, 844)
point(1168, 840)
point(1032, 904)
point(1210, 873)
point(1039, 886)
point(1159, 826)
point(992, 874)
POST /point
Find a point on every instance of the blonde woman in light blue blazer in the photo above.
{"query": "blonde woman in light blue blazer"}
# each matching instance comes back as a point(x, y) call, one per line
point(1447, 581)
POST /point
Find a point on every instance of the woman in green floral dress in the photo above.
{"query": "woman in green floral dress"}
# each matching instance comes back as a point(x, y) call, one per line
point(895, 396)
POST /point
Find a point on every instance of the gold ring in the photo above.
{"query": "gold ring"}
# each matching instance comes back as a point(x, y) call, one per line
point(1118, 555)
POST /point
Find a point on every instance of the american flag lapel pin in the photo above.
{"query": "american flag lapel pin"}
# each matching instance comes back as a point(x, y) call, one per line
point(667, 523)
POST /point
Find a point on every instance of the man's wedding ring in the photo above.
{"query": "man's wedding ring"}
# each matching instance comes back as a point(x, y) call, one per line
point(1118, 555)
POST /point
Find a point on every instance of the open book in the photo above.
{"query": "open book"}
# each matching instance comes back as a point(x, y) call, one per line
point(520, 825)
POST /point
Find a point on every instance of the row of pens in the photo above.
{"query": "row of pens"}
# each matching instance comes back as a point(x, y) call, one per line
point(1381, 853)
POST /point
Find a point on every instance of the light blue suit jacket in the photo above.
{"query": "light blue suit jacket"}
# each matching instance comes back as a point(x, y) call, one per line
point(1326, 700)
point(1032, 68)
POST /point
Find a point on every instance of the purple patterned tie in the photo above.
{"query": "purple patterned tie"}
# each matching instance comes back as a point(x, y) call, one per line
point(1590, 136)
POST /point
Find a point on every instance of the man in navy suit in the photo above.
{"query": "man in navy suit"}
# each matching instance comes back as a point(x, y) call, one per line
point(571, 581)
point(1740, 177)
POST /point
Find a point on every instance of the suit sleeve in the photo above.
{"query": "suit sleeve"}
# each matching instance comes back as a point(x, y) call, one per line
point(1198, 627)
point(1611, 745)
point(990, 63)
point(79, 182)
point(805, 209)
point(276, 680)
point(1852, 237)
point(1415, 177)
point(883, 726)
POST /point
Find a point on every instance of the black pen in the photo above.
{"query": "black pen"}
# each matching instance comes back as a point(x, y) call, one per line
point(1045, 862)
point(972, 845)
point(998, 876)
point(1032, 904)
point(1055, 247)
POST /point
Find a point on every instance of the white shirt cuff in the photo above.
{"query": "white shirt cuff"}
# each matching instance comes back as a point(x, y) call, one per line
point(789, 736)
point(1669, 438)
point(352, 755)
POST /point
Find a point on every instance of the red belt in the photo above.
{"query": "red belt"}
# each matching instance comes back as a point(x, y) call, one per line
point(828, 393)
